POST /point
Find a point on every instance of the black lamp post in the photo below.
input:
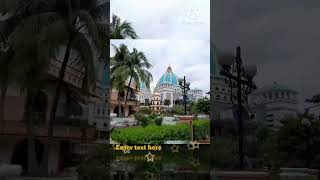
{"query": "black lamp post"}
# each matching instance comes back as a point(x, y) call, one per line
point(240, 78)
point(185, 86)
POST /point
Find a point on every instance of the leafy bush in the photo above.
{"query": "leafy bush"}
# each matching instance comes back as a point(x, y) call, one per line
point(201, 129)
point(201, 106)
point(142, 119)
point(177, 109)
point(153, 116)
point(158, 120)
point(152, 134)
point(145, 110)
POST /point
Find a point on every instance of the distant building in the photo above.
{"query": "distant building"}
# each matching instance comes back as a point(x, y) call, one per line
point(168, 87)
point(156, 104)
point(270, 104)
point(144, 94)
point(118, 100)
point(195, 94)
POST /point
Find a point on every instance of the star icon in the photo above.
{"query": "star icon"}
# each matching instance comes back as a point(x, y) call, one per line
point(195, 162)
point(190, 146)
point(175, 148)
point(150, 157)
point(196, 145)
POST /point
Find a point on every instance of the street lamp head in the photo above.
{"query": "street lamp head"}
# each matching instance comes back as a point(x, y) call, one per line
point(180, 80)
point(250, 71)
point(226, 60)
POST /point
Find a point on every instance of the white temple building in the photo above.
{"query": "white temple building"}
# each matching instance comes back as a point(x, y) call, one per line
point(272, 103)
point(168, 87)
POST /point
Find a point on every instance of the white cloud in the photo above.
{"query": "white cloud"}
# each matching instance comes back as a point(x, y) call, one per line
point(177, 19)
point(186, 57)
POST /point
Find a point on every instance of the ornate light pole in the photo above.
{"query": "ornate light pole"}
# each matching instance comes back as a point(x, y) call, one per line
point(185, 86)
point(239, 78)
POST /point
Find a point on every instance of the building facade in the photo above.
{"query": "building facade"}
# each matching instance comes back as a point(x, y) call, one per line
point(118, 100)
point(168, 87)
point(272, 103)
point(195, 94)
point(144, 94)
point(156, 104)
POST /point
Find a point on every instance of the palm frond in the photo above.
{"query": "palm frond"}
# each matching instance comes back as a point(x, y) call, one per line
point(82, 45)
point(121, 30)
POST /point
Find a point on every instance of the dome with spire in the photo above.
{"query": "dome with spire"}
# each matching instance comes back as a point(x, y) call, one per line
point(168, 78)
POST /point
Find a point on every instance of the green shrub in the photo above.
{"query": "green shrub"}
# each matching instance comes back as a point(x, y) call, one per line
point(152, 134)
point(153, 116)
point(201, 129)
point(145, 110)
point(177, 109)
point(158, 121)
point(142, 119)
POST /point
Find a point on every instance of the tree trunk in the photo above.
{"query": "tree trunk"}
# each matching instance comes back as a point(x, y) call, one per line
point(55, 104)
point(127, 93)
point(119, 105)
point(2, 106)
point(29, 123)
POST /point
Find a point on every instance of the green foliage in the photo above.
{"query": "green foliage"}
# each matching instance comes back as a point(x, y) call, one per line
point(142, 119)
point(152, 134)
point(132, 65)
point(201, 129)
point(177, 109)
point(158, 121)
point(152, 116)
point(201, 106)
point(145, 110)
point(121, 29)
point(295, 144)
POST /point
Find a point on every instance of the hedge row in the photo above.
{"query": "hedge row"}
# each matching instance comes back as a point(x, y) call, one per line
point(152, 134)
point(201, 129)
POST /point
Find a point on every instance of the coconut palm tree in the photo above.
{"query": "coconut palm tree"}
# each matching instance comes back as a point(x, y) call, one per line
point(21, 67)
point(134, 68)
point(121, 29)
point(118, 82)
point(71, 27)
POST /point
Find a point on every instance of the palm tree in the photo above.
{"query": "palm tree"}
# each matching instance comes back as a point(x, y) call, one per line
point(133, 67)
point(72, 26)
point(19, 63)
point(118, 82)
point(121, 30)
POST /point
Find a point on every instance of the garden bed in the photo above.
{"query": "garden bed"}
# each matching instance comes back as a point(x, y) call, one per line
point(152, 134)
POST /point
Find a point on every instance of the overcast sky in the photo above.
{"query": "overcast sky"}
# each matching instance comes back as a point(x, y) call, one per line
point(281, 37)
point(172, 32)
point(186, 57)
point(177, 19)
